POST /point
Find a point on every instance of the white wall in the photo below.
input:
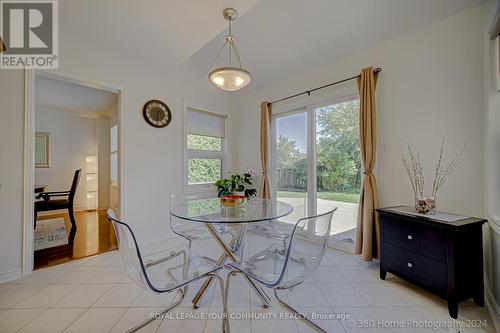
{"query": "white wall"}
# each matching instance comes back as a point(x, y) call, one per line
point(73, 137)
point(431, 86)
point(153, 157)
point(492, 165)
point(11, 172)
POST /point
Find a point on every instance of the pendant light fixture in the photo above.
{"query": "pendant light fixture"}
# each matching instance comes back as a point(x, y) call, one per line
point(231, 77)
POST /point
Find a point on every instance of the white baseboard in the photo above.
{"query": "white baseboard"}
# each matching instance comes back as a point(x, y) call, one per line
point(11, 275)
point(493, 309)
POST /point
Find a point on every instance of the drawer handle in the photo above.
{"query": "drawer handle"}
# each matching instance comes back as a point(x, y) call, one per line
point(410, 237)
point(410, 265)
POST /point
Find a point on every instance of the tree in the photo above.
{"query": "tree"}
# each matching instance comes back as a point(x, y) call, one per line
point(201, 170)
point(291, 164)
point(338, 154)
point(288, 154)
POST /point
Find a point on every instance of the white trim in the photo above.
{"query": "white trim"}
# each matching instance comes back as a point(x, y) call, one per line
point(273, 180)
point(494, 223)
point(11, 275)
point(496, 62)
point(76, 113)
point(29, 149)
point(214, 113)
point(312, 200)
point(493, 308)
point(76, 79)
point(28, 171)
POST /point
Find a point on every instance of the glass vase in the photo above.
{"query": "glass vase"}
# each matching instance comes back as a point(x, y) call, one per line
point(431, 203)
point(425, 205)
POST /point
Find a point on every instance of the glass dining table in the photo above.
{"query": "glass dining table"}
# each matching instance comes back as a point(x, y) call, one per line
point(210, 211)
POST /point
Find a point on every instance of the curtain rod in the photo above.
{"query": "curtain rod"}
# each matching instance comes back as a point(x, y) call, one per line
point(308, 92)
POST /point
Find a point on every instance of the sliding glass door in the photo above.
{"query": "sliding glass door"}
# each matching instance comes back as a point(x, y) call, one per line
point(290, 159)
point(318, 166)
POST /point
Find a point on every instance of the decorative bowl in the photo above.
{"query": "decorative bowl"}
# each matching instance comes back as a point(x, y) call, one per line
point(233, 200)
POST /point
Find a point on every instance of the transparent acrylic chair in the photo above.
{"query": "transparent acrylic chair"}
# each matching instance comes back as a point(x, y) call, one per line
point(284, 265)
point(164, 271)
point(191, 230)
point(272, 229)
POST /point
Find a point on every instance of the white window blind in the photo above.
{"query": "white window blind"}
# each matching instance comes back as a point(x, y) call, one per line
point(114, 153)
point(205, 123)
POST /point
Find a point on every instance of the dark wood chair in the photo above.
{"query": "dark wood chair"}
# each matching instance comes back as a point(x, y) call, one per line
point(48, 203)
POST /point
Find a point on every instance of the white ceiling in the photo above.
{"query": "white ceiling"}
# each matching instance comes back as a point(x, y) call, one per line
point(279, 38)
point(159, 33)
point(61, 95)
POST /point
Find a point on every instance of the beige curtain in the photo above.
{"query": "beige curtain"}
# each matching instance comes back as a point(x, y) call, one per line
point(368, 233)
point(265, 130)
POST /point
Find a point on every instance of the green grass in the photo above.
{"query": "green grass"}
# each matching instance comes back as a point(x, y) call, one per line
point(343, 197)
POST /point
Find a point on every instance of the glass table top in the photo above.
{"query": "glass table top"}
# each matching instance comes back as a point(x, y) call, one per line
point(212, 211)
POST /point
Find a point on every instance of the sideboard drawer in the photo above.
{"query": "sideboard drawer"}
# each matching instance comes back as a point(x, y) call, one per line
point(442, 256)
point(428, 241)
point(427, 271)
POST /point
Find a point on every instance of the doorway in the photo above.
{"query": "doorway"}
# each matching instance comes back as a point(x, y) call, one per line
point(73, 168)
point(318, 166)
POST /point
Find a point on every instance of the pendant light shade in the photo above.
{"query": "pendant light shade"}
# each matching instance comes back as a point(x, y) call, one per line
point(229, 78)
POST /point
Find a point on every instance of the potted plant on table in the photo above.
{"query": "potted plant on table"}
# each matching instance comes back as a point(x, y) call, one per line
point(236, 184)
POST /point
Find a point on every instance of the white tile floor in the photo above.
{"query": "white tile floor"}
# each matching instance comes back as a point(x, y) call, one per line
point(95, 295)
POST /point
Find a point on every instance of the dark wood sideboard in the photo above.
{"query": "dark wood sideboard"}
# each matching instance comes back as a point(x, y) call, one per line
point(443, 257)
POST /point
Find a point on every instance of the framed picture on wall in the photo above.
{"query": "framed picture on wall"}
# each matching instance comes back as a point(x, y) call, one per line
point(42, 150)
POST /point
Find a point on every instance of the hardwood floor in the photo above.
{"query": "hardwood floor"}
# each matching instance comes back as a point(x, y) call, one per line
point(93, 235)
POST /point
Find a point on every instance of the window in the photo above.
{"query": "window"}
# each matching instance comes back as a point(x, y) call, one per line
point(114, 154)
point(205, 146)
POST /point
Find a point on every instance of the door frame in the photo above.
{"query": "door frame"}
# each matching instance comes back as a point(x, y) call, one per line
point(308, 106)
point(29, 150)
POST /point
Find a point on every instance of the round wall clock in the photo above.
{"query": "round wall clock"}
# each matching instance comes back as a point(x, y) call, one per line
point(156, 113)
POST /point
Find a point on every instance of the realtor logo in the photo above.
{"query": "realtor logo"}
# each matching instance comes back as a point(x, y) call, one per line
point(29, 34)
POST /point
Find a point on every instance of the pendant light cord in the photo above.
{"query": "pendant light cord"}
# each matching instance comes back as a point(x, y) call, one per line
point(232, 49)
point(229, 47)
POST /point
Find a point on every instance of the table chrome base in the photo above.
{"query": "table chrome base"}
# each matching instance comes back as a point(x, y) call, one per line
point(229, 253)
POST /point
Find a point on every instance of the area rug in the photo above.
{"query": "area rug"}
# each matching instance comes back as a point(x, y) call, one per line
point(50, 233)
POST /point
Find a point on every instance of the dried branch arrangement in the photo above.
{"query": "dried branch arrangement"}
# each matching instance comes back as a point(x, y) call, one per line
point(415, 170)
point(441, 172)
